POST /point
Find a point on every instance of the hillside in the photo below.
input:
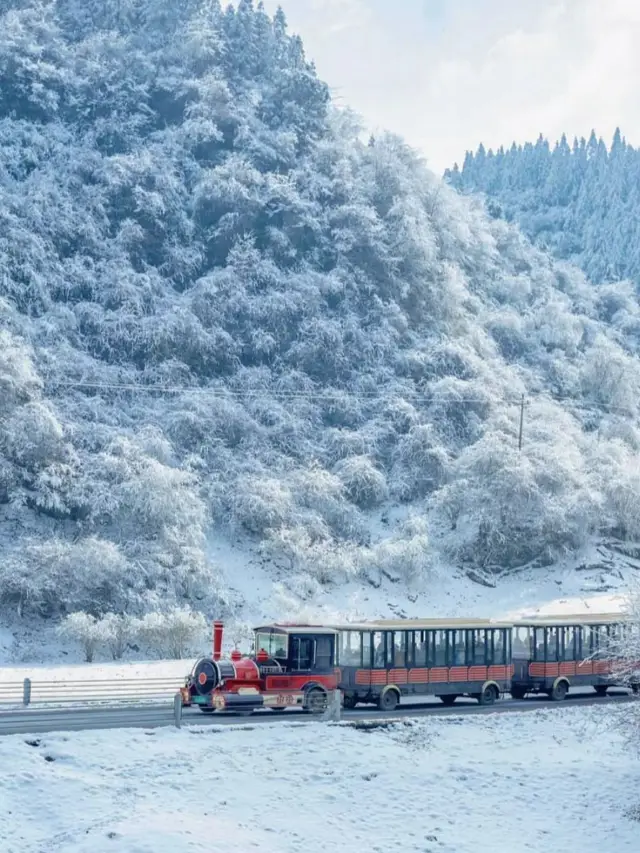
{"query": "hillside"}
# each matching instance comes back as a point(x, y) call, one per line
point(581, 201)
point(223, 314)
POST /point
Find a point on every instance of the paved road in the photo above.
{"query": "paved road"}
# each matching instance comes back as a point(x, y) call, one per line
point(38, 720)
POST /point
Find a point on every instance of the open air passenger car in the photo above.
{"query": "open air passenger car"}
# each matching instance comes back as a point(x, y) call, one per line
point(552, 654)
point(384, 660)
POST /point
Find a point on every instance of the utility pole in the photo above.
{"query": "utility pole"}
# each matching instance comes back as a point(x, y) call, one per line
point(521, 423)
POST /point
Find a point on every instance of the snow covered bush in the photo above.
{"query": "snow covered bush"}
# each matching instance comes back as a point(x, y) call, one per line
point(118, 630)
point(406, 556)
point(364, 484)
point(260, 504)
point(174, 633)
point(85, 629)
point(505, 508)
point(89, 574)
point(421, 463)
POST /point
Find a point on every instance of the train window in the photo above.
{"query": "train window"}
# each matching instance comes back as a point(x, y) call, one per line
point(522, 643)
point(539, 651)
point(378, 649)
point(275, 645)
point(350, 652)
point(459, 648)
point(617, 635)
point(478, 655)
point(440, 651)
point(399, 648)
point(303, 653)
point(324, 653)
point(552, 643)
point(596, 641)
point(420, 648)
point(431, 648)
point(390, 649)
point(568, 643)
point(498, 646)
point(366, 650)
point(587, 641)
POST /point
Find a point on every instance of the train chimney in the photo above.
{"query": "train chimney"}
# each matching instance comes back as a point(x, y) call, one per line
point(218, 628)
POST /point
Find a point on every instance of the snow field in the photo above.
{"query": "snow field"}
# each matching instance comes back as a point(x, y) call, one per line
point(500, 784)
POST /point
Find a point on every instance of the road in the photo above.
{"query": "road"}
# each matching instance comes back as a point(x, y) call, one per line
point(40, 720)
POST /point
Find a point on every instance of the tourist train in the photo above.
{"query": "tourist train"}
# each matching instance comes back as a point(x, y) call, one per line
point(379, 662)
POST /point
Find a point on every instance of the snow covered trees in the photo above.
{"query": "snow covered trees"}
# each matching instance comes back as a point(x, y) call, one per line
point(581, 202)
point(170, 634)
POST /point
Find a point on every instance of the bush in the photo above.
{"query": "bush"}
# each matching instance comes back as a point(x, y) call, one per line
point(406, 556)
point(506, 508)
point(364, 484)
point(84, 629)
point(260, 504)
point(118, 630)
point(174, 634)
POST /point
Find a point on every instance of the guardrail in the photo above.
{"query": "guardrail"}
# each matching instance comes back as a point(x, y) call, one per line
point(89, 691)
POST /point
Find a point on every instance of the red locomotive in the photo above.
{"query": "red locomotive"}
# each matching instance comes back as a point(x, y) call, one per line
point(293, 666)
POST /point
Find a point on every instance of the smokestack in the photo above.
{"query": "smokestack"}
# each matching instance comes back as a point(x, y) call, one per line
point(218, 628)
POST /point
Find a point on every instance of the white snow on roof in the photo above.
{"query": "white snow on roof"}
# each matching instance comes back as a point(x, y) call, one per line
point(516, 783)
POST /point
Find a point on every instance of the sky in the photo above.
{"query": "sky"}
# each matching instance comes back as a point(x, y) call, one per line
point(449, 74)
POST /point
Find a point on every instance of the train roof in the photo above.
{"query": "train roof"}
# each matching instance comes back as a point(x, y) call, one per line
point(421, 624)
point(385, 625)
point(573, 619)
point(288, 628)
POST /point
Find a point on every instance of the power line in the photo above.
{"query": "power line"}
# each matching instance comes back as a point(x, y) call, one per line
point(323, 393)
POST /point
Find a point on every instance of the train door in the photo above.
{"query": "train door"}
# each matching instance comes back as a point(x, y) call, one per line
point(312, 653)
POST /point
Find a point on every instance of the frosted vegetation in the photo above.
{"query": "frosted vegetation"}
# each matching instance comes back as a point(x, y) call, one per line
point(579, 201)
point(223, 309)
point(173, 633)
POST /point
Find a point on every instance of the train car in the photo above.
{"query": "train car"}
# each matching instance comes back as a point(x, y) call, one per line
point(552, 654)
point(293, 666)
point(382, 661)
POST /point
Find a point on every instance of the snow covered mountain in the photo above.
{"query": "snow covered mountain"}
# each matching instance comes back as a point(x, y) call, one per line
point(224, 312)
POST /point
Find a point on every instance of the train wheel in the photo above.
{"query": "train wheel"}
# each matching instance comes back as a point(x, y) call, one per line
point(350, 701)
point(316, 701)
point(448, 698)
point(488, 695)
point(388, 700)
point(206, 710)
point(517, 692)
point(559, 691)
point(601, 689)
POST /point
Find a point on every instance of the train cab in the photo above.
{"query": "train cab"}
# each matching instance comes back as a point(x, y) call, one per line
point(297, 665)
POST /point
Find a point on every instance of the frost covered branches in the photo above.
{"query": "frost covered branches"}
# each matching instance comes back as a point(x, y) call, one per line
point(172, 634)
point(221, 309)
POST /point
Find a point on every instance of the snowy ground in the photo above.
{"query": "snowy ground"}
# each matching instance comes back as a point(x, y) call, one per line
point(494, 784)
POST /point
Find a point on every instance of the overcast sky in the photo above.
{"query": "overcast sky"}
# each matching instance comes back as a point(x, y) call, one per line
point(448, 74)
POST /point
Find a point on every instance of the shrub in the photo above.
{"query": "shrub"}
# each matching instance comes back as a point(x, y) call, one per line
point(364, 484)
point(84, 629)
point(118, 630)
point(173, 634)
